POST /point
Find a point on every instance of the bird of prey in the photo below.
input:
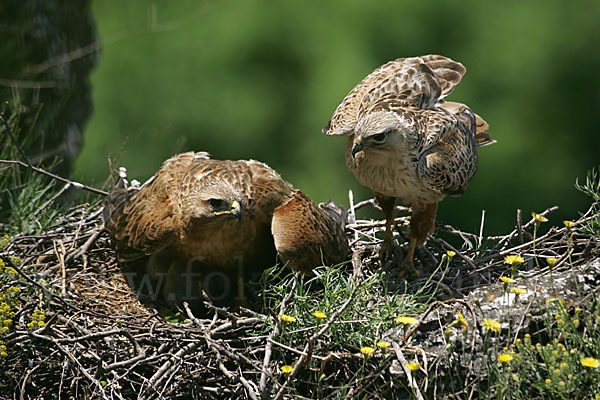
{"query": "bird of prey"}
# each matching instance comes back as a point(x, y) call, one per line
point(405, 142)
point(200, 223)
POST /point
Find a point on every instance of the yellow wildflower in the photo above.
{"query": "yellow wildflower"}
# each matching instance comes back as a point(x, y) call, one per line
point(319, 315)
point(551, 260)
point(513, 260)
point(504, 358)
point(568, 224)
point(491, 325)
point(462, 320)
point(450, 253)
point(287, 318)
point(3, 354)
point(382, 344)
point(506, 279)
point(413, 366)
point(548, 380)
point(286, 369)
point(518, 291)
point(366, 350)
point(590, 362)
point(405, 320)
point(538, 217)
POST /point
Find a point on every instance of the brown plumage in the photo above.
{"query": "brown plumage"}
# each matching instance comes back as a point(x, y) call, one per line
point(406, 142)
point(198, 220)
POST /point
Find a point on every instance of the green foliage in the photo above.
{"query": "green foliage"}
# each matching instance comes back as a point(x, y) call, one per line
point(561, 367)
point(591, 188)
point(260, 79)
point(24, 206)
point(29, 213)
point(370, 313)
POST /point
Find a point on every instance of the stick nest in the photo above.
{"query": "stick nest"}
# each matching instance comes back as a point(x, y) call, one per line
point(92, 338)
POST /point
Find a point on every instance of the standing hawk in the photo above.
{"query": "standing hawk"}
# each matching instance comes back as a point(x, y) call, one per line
point(406, 142)
point(200, 223)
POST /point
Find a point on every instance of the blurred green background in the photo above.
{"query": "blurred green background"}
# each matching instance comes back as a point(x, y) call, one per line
point(260, 79)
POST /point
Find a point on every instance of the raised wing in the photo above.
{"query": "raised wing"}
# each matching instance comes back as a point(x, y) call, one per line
point(408, 82)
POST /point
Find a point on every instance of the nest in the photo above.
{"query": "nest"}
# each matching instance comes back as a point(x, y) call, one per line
point(97, 340)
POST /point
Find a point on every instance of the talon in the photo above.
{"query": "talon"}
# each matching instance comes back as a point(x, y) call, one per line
point(408, 266)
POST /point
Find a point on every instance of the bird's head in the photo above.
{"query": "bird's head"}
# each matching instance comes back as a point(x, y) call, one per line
point(217, 202)
point(377, 132)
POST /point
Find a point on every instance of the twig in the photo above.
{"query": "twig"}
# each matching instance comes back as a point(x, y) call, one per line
point(85, 247)
point(73, 359)
point(47, 292)
point(54, 176)
point(458, 252)
point(481, 228)
point(527, 225)
point(411, 380)
point(311, 340)
point(264, 390)
point(168, 366)
point(520, 225)
point(50, 200)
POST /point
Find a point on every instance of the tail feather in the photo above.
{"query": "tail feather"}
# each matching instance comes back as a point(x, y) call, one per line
point(482, 138)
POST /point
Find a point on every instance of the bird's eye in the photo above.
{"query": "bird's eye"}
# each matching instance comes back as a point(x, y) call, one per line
point(379, 138)
point(218, 204)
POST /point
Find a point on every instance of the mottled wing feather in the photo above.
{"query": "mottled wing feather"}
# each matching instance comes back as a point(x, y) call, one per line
point(482, 138)
point(410, 82)
point(449, 159)
point(268, 189)
point(306, 235)
point(145, 221)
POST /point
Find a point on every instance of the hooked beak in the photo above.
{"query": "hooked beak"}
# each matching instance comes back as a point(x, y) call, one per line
point(356, 147)
point(235, 210)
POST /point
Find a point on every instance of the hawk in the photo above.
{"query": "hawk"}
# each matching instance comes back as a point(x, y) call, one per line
point(405, 142)
point(200, 223)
